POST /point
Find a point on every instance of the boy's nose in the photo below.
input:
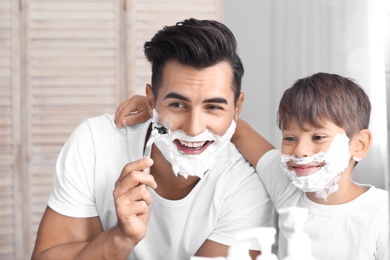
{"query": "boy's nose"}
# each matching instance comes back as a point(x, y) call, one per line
point(302, 149)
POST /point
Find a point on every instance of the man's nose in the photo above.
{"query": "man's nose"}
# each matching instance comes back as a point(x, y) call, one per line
point(195, 123)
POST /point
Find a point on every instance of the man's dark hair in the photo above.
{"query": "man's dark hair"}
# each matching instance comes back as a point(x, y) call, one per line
point(323, 97)
point(196, 43)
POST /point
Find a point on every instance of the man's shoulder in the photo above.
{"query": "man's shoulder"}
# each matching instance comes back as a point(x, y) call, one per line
point(231, 156)
point(102, 123)
point(105, 124)
point(231, 164)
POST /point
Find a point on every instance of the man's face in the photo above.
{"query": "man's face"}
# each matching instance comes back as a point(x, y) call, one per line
point(195, 100)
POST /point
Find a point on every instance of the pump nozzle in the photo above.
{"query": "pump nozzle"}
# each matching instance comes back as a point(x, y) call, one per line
point(239, 252)
point(294, 218)
point(265, 237)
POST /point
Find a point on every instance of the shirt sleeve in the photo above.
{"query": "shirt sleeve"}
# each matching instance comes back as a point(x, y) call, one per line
point(381, 224)
point(277, 184)
point(72, 192)
point(248, 206)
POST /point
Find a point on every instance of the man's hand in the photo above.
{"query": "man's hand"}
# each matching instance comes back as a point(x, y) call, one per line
point(132, 111)
point(133, 199)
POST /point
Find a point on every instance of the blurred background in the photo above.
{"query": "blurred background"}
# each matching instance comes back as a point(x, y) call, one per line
point(62, 61)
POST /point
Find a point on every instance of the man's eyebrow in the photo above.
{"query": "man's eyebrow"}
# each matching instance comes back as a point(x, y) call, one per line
point(176, 96)
point(216, 100)
point(181, 97)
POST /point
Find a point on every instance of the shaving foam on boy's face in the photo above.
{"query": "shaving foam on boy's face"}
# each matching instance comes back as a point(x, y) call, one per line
point(332, 163)
point(206, 147)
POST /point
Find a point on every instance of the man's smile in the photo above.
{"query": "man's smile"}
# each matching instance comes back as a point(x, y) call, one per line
point(193, 148)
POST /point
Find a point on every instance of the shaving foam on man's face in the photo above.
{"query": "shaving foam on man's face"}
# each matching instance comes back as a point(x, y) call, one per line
point(203, 149)
point(330, 163)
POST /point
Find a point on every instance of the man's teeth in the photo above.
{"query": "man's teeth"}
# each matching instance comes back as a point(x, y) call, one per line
point(192, 144)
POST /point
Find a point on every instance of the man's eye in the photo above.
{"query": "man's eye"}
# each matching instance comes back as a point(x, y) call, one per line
point(176, 104)
point(214, 107)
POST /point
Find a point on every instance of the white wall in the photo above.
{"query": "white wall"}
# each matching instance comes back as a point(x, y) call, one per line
point(281, 41)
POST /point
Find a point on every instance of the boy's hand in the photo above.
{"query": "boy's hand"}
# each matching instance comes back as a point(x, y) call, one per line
point(132, 111)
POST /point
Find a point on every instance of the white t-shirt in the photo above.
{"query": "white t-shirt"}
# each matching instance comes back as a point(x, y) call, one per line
point(228, 199)
point(355, 230)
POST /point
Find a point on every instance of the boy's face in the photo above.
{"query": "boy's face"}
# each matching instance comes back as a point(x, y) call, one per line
point(306, 142)
point(195, 100)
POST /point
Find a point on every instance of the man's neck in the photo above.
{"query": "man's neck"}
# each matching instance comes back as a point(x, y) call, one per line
point(170, 186)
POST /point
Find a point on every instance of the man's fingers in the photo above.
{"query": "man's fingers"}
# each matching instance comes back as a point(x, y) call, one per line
point(135, 179)
point(139, 165)
point(138, 193)
point(133, 175)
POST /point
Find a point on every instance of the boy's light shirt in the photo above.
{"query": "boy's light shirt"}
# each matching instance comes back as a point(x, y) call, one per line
point(323, 182)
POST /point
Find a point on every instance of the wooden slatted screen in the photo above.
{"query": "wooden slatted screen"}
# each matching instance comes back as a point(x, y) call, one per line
point(145, 18)
point(73, 60)
point(62, 61)
point(10, 175)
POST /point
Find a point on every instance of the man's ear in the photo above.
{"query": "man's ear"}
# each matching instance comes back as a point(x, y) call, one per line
point(361, 143)
point(239, 103)
point(149, 99)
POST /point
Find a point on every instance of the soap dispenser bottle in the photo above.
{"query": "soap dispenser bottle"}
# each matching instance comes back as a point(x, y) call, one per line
point(265, 237)
point(298, 242)
point(239, 251)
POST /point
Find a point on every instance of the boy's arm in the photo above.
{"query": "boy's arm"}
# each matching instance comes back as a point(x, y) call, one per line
point(132, 111)
point(250, 143)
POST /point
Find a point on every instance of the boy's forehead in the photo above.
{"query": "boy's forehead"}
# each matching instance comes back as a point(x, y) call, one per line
point(323, 124)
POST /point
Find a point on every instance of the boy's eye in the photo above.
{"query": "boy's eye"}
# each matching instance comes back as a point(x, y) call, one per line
point(318, 137)
point(289, 139)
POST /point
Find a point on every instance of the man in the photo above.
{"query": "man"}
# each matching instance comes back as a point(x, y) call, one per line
point(200, 191)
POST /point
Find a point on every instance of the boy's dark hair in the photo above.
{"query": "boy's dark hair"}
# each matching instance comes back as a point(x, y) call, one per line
point(324, 96)
point(196, 43)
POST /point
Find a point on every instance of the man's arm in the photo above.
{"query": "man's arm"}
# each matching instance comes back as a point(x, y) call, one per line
point(62, 237)
point(213, 249)
point(250, 143)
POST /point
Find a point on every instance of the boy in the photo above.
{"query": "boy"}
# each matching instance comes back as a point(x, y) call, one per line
point(324, 120)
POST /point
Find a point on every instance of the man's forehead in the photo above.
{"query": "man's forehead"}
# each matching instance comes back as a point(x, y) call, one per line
point(185, 82)
point(173, 69)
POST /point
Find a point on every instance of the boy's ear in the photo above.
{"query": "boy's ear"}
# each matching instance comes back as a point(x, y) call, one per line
point(239, 103)
point(149, 99)
point(361, 144)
